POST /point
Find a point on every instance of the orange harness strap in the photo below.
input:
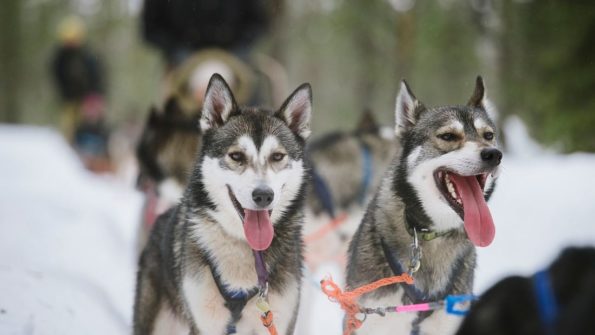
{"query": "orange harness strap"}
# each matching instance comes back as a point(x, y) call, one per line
point(267, 315)
point(327, 228)
point(347, 299)
point(267, 321)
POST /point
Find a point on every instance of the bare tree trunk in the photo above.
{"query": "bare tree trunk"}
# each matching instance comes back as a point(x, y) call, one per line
point(10, 60)
point(405, 55)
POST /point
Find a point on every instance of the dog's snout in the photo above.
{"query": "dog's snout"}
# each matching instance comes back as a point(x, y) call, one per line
point(491, 156)
point(263, 196)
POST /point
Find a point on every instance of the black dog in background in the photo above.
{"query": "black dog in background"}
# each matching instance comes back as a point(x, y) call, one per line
point(559, 300)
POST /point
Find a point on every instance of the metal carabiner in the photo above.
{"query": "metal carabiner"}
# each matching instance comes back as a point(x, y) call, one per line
point(415, 257)
point(263, 292)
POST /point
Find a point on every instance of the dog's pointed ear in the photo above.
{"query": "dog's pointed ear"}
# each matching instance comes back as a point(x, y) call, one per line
point(478, 99)
point(172, 107)
point(367, 122)
point(219, 104)
point(406, 109)
point(296, 111)
point(153, 116)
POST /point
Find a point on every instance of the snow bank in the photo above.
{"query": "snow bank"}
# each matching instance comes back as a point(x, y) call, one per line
point(543, 203)
point(66, 251)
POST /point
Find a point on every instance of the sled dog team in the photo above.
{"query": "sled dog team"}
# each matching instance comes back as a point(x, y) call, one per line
point(228, 257)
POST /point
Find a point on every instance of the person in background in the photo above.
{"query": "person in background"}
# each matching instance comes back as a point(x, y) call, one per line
point(199, 37)
point(182, 27)
point(79, 78)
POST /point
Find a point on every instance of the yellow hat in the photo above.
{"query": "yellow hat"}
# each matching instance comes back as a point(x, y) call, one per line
point(71, 30)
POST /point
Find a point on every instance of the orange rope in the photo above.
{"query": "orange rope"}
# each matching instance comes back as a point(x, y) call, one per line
point(327, 228)
point(267, 321)
point(347, 299)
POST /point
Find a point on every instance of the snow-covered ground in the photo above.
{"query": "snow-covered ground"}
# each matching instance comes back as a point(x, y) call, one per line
point(67, 236)
point(66, 240)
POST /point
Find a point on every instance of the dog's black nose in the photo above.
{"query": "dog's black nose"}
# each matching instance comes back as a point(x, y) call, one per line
point(263, 196)
point(491, 156)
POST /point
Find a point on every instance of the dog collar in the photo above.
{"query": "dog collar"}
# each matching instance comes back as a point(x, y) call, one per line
point(427, 234)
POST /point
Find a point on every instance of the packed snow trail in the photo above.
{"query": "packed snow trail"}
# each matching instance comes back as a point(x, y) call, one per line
point(67, 237)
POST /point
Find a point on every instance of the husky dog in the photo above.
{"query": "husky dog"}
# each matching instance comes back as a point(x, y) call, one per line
point(197, 273)
point(166, 153)
point(436, 189)
point(168, 146)
point(347, 167)
point(558, 300)
point(350, 164)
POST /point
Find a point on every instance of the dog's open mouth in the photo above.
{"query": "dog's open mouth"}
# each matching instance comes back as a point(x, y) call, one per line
point(258, 227)
point(465, 194)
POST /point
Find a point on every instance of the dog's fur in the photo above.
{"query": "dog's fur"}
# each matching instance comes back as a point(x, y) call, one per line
point(513, 299)
point(338, 159)
point(203, 235)
point(166, 152)
point(168, 146)
point(409, 197)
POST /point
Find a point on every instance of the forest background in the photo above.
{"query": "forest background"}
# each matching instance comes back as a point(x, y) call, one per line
point(537, 57)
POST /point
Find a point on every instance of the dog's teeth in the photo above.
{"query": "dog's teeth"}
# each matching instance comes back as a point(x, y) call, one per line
point(450, 186)
point(451, 189)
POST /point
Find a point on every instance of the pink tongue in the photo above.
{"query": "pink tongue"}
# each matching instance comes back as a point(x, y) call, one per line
point(478, 219)
point(258, 229)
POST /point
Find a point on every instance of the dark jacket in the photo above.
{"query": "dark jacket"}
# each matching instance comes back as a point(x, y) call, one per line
point(77, 73)
point(183, 26)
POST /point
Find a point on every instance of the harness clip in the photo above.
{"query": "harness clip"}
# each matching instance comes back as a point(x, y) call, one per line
point(415, 260)
point(263, 290)
point(262, 305)
point(459, 304)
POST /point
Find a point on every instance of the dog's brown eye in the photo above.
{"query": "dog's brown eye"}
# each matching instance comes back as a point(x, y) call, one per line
point(277, 156)
point(448, 137)
point(237, 156)
point(488, 135)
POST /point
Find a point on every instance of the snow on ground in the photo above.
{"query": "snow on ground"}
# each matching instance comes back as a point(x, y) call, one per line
point(67, 236)
point(66, 251)
point(543, 203)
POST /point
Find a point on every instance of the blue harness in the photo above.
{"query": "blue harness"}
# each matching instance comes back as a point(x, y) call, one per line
point(323, 193)
point(236, 300)
point(367, 172)
point(546, 300)
point(414, 294)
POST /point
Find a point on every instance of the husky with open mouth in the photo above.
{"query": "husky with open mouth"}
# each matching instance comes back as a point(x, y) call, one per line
point(434, 193)
point(237, 233)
